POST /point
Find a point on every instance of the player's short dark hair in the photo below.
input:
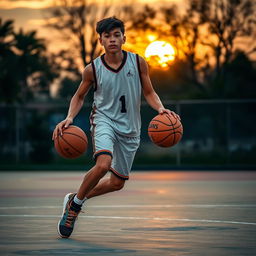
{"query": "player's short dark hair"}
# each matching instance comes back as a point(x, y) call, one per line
point(108, 24)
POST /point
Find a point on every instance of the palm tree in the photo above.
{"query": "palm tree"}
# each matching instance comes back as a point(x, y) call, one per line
point(6, 30)
point(9, 86)
point(29, 50)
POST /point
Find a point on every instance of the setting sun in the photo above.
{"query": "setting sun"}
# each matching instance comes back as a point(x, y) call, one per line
point(160, 54)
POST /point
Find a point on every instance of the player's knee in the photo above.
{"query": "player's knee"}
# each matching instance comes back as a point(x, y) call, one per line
point(103, 167)
point(117, 184)
point(103, 164)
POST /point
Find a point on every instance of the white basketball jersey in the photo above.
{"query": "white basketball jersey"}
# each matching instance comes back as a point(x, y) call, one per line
point(117, 95)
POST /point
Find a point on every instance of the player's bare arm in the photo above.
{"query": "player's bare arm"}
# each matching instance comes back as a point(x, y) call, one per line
point(77, 100)
point(149, 93)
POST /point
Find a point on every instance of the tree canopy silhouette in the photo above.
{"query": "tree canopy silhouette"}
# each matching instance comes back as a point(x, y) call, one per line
point(76, 21)
point(24, 65)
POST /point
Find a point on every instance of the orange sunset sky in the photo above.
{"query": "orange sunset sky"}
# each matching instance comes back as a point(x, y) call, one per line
point(31, 14)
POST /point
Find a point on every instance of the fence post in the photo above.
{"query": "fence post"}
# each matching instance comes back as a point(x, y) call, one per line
point(178, 156)
point(228, 130)
point(17, 132)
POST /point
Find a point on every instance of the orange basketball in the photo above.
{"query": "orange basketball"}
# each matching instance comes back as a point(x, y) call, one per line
point(72, 144)
point(165, 130)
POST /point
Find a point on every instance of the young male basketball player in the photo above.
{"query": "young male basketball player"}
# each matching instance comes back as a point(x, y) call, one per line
point(118, 77)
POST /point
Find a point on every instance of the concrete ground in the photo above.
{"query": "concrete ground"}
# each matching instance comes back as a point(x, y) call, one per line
point(157, 213)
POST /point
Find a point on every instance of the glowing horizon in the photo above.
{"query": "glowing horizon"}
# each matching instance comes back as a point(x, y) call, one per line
point(7, 4)
point(42, 4)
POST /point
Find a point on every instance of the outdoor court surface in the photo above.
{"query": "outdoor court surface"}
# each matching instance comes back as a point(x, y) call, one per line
point(157, 213)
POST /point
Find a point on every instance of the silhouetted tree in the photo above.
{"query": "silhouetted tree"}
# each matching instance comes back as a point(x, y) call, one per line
point(226, 20)
point(239, 77)
point(25, 67)
point(68, 88)
point(142, 20)
point(29, 50)
point(70, 76)
point(9, 86)
point(206, 36)
point(6, 40)
point(186, 32)
point(76, 21)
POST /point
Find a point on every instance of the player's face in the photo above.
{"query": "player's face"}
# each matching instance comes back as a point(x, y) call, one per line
point(112, 41)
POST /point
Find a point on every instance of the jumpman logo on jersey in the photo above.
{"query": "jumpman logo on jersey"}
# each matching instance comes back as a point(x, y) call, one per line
point(129, 74)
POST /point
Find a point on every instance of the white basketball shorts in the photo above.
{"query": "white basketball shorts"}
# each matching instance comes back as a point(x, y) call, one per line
point(121, 148)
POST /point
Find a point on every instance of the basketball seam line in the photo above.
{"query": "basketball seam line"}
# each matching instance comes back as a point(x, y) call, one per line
point(71, 145)
point(171, 120)
point(62, 151)
point(166, 138)
point(174, 137)
point(76, 136)
point(159, 142)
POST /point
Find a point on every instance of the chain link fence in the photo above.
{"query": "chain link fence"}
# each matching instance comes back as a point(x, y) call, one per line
point(217, 134)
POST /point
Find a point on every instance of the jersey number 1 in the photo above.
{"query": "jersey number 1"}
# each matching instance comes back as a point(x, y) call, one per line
point(123, 108)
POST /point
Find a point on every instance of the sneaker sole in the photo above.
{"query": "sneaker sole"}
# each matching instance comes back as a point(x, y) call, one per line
point(66, 198)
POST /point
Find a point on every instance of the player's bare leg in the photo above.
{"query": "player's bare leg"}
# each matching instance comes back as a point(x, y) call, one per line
point(92, 178)
point(107, 185)
point(71, 208)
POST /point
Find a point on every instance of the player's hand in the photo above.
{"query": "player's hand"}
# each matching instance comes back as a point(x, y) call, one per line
point(60, 126)
point(169, 112)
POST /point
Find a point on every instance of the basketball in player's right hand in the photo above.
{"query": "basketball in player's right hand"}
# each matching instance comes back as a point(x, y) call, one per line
point(60, 126)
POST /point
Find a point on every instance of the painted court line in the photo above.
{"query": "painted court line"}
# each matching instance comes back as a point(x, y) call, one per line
point(139, 206)
point(130, 218)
